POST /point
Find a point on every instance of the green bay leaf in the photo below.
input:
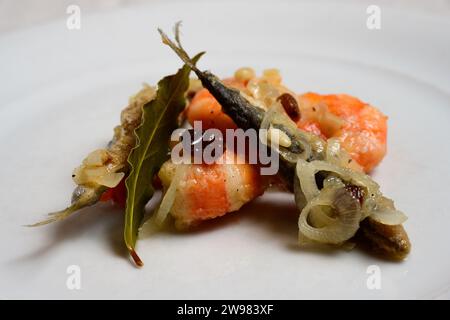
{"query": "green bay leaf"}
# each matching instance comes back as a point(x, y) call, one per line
point(159, 119)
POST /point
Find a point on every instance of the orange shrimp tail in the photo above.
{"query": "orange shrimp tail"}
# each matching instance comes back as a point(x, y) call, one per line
point(364, 132)
point(211, 191)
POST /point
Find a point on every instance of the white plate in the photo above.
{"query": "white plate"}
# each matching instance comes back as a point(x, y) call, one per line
point(61, 93)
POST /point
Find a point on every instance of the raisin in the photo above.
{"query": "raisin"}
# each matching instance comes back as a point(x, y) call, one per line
point(290, 105)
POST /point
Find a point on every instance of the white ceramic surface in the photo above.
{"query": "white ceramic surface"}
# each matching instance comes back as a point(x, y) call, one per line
point(61, 93)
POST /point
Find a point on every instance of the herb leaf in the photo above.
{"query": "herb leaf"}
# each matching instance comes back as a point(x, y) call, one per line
point(159, 119)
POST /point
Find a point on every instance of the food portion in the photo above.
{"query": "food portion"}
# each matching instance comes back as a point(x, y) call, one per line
point(104, 169)
point(338, 197)
point(210, 191)
point(360, 128)
point(324, 146)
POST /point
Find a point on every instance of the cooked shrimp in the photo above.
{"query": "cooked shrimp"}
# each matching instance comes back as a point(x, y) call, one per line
point(260, 91)
point(391, 240)
point(205, 108)
point(360, 128)
point(210, 191)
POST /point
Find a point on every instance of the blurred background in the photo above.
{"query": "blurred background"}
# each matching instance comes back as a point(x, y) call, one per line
point(25, 13)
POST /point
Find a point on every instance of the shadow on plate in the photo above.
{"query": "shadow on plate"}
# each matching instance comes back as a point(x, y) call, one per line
point(103, 219)
point(278, 218)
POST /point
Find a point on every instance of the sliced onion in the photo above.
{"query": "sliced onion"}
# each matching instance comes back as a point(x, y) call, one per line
point(315, 221)
point(389, 217)
point(335, 154)
point(375, 205)
point(263, 91)
point(333, 182)
point(95, 171)
point(300, 199)
point(345, 174)
point(110, 180)
point(276, 116)
point(169, 197)
point(333, 151)
point(88, 175)
point(385, 212)
point(320, 217)
point(336, 231)
point(97, 175)
point(306, 174)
